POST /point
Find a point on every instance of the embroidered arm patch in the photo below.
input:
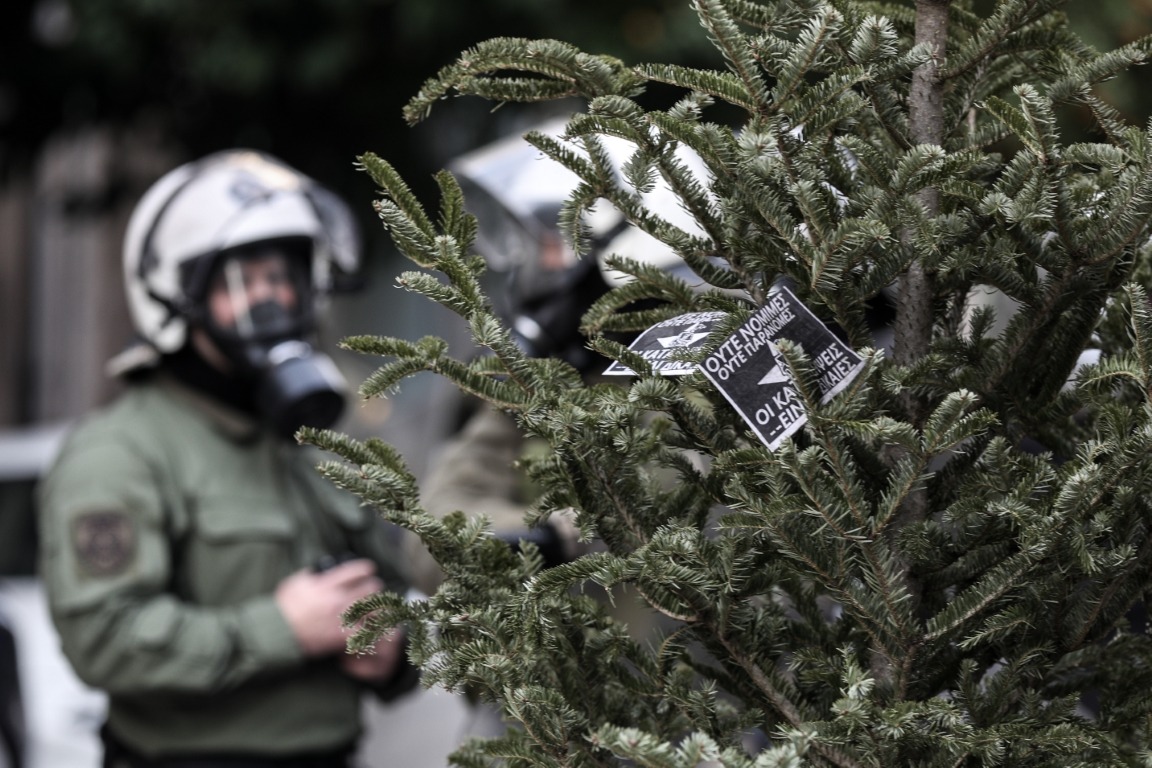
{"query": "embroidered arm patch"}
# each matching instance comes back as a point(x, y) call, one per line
point(104, 542)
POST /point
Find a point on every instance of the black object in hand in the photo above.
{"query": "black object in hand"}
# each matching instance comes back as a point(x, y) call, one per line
point(328, 562)
point(546, 539)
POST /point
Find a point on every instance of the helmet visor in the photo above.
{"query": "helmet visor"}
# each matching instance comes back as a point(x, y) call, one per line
point(259, 292)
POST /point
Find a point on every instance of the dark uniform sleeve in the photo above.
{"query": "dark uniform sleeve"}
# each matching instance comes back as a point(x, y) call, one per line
point(107, 564)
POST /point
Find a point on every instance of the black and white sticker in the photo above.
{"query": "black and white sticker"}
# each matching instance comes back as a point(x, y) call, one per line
point(745, 367)
point(661, 344)
point(750, 375)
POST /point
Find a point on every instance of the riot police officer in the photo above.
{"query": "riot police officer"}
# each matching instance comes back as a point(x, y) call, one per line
point(180, 524)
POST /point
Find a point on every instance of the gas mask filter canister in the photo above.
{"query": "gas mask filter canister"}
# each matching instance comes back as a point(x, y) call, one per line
point(299, 387)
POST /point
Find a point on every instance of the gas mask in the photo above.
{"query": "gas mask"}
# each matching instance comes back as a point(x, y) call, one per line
point(257, 309)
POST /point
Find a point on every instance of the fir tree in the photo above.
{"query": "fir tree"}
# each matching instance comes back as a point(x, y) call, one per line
point(947, 565)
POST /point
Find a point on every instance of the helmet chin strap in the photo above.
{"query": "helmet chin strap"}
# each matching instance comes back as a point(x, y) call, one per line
point(201, 366)
point(207, 347)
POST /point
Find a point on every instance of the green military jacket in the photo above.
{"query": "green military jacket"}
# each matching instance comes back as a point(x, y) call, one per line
point(166, 524)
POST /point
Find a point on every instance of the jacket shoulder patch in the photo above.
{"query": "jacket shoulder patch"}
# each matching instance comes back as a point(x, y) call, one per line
point(104, 542)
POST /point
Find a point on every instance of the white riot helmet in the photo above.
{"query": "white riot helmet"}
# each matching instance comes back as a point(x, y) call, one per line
point(205, 234)
point(226, 200)
point(516, 194)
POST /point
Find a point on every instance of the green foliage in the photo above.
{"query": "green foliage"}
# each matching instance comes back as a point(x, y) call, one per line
point(941, 568)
